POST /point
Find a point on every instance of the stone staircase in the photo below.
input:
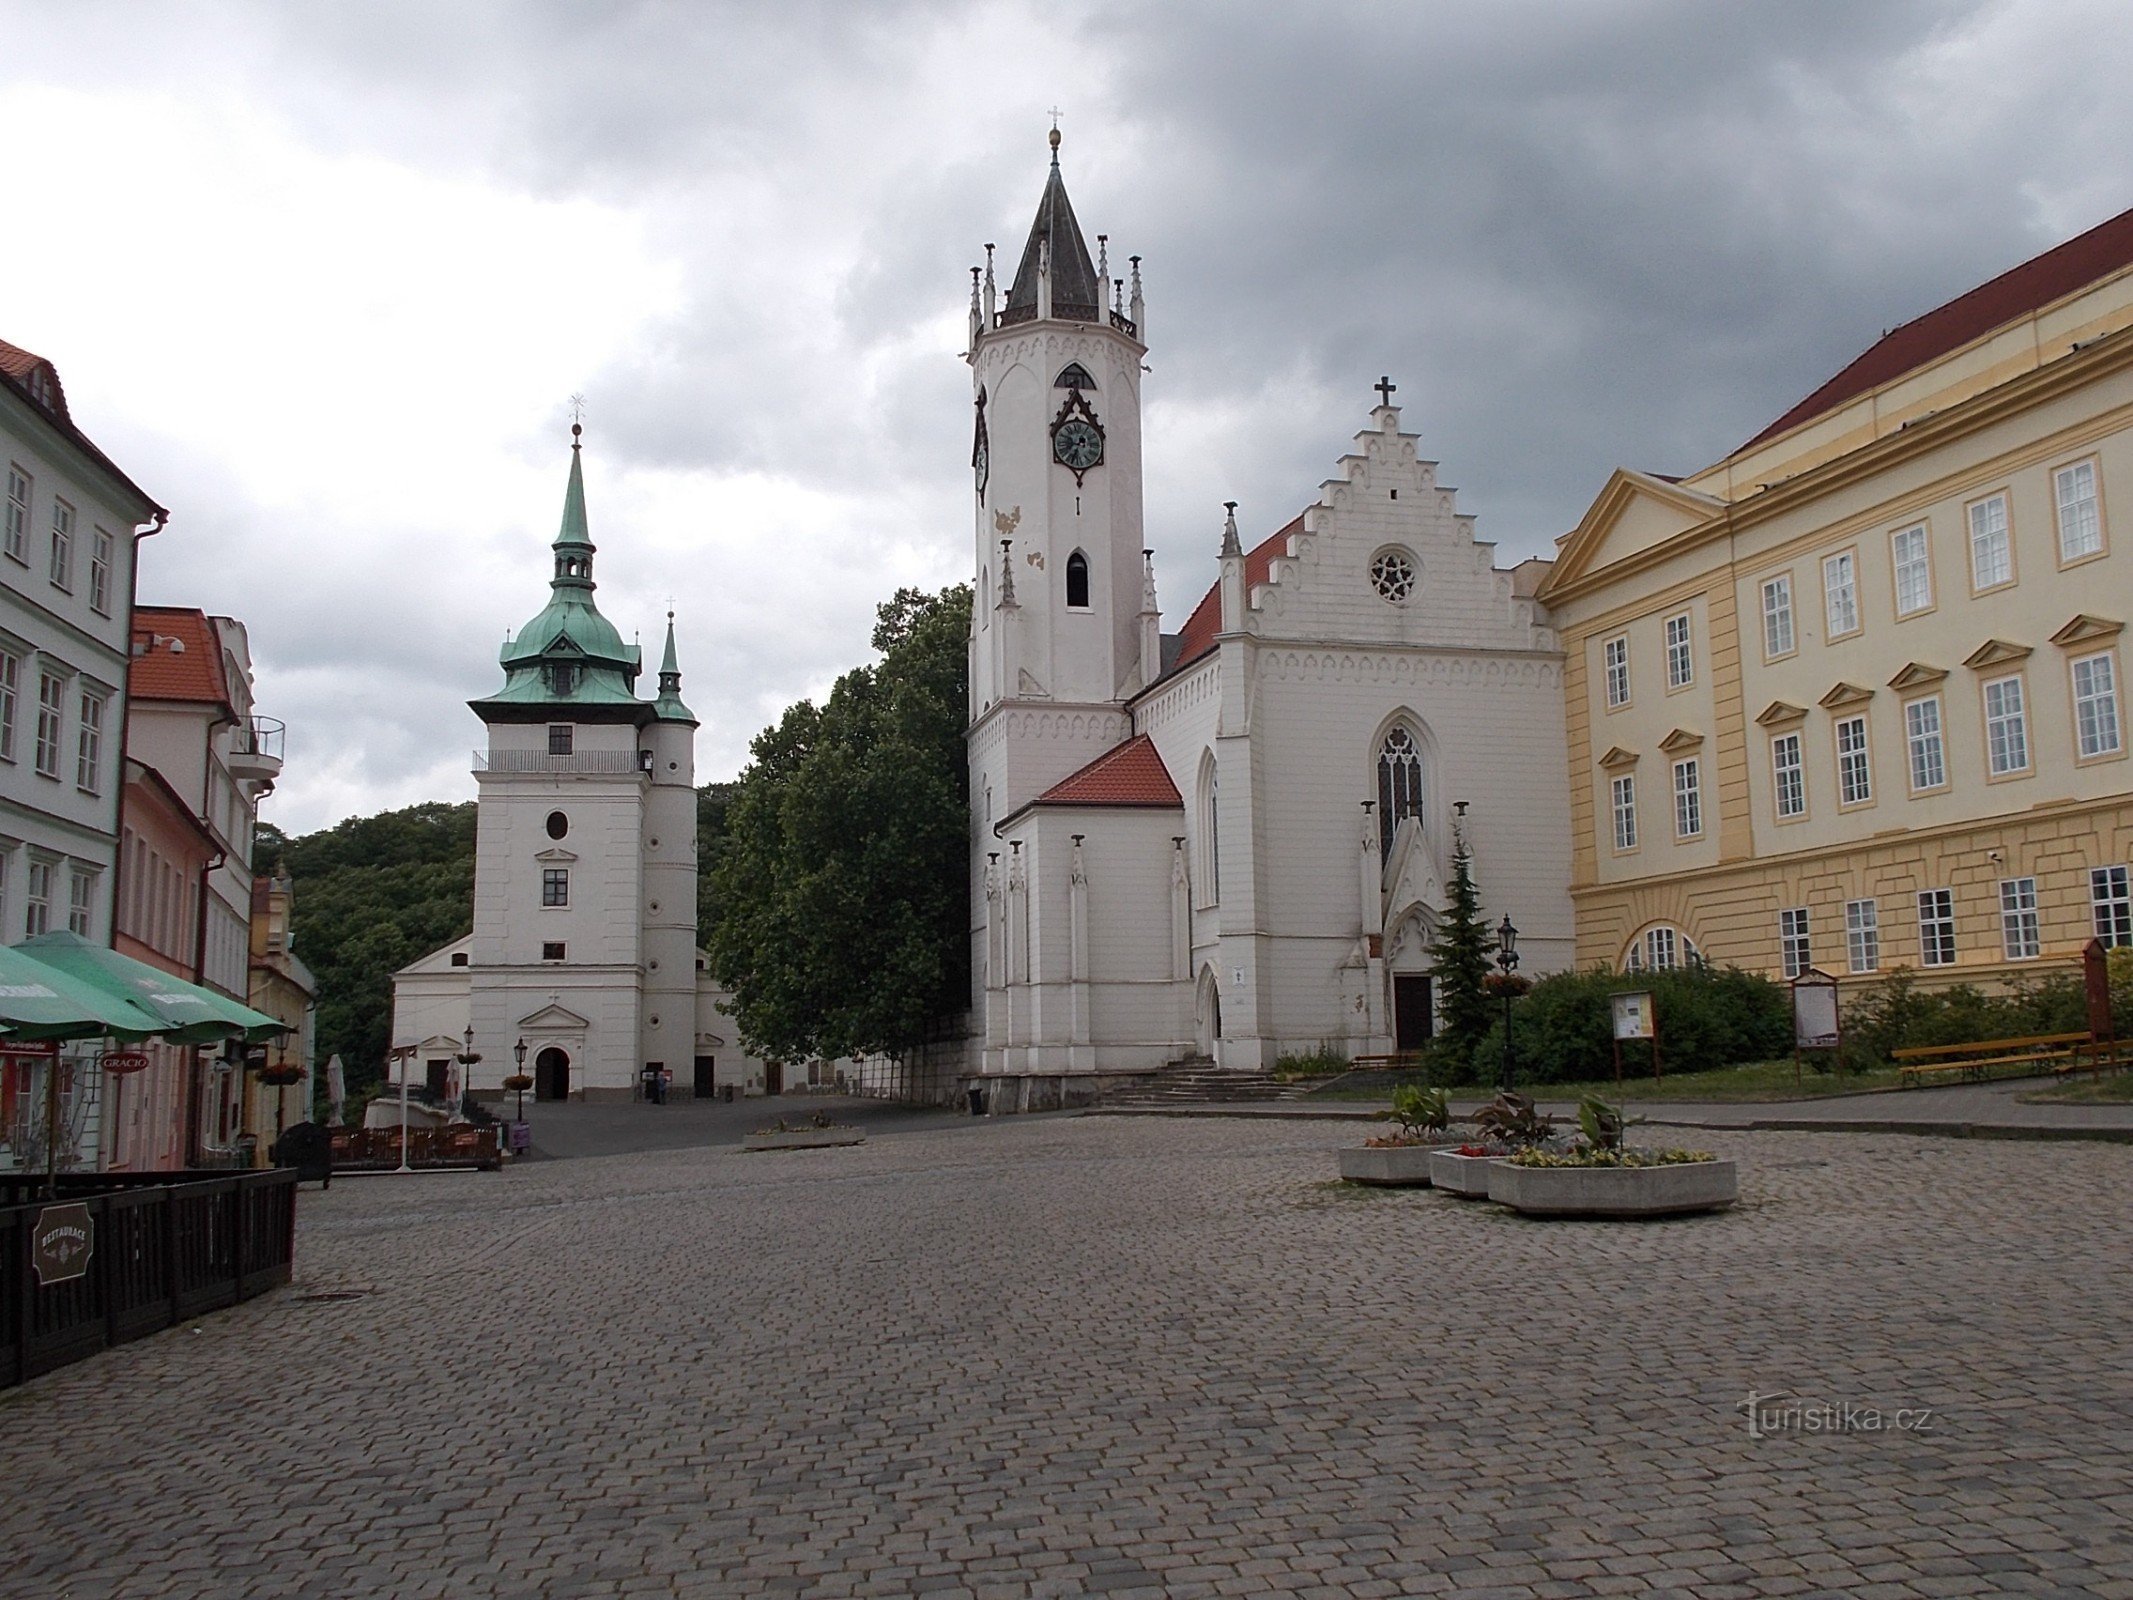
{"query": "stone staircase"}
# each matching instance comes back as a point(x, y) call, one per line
point(1196, 1080)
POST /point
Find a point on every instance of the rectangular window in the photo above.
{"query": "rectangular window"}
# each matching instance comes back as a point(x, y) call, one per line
point(2111, 898)
point(1936, 927)
point(81, 902)
point(552, 950)
point(1777, 616)
point(1616, 654)
point(561, 736)
point(2006, 728)
point(555, 886)
point(1840, 594)
point(2096, 730)
point(1688, 798)
point(1862, 934)
point(62, 545)
point(1792, 940)
point(51, 716)
point(100, 550)
point(38, 902)
point(1921, 728)
point(17, 540)
point(1625, 805)
point(2018, 918)
point(89, 749)
point(1914, 571)
point(10, 685)
point(1680, 653)
point(2080, 527)
point(1855, 767)
point(1788, 775)
point(1991, 553)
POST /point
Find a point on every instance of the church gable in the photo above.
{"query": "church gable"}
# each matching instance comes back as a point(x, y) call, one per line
point(1635, 512)
point(449, 958)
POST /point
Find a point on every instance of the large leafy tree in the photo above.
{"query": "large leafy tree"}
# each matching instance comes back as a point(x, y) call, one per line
point(839, 890)
point(1461, 956)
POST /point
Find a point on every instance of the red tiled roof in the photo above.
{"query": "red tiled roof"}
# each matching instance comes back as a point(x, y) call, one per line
point(161, 673)
point(2103, 250)
point(1131, 775)
point(38, 380)
point(1197, 637)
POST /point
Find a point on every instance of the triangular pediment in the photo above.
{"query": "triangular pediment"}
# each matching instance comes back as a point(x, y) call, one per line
point(2085, 629)
point(440, 959)
point(1916, 675)
point(1995, 653)
point(1617, 758)
point(556, 854)
point(439, 1045)
point(1681, 739)
point(1779, 713)
point(554, 1018)
point(1634, 512)
point(1845, 694)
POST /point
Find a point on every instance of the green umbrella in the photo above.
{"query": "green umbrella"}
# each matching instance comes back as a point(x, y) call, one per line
point(42, 1002)
point(186, 1013)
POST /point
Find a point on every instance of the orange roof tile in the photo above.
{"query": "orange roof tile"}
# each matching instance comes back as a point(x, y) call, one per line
point(1131, 775)
point(1197, 637)
point(160, 672)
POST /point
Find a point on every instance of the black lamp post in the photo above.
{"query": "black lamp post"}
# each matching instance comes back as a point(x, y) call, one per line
point(518, 1052)
point(467, 1058)
point(1507, 963)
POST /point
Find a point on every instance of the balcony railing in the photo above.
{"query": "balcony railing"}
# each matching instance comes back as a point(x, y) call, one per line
point(255, 749)
point(615, 762)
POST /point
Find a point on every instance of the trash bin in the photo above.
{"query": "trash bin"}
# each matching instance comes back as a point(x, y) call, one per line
point(977, 1101)
point(726, 1092)
point(521, 1138)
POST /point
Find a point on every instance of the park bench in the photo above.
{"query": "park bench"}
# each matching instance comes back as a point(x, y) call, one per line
point(1980, 1058)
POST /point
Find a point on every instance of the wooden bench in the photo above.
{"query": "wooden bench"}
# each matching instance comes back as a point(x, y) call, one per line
point(1977, 1059)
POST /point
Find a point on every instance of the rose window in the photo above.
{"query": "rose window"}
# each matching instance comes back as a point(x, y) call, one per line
point(1392, 574)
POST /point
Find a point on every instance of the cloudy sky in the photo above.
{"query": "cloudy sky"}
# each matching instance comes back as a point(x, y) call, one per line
point(323, 278)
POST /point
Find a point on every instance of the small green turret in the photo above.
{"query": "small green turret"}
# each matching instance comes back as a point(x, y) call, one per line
point(668, 707)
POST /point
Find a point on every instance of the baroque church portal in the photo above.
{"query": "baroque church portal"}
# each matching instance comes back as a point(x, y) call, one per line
point(1232, 840)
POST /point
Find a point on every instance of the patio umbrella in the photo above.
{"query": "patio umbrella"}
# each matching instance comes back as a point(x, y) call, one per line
point(186, 1013)
point(41, 1002)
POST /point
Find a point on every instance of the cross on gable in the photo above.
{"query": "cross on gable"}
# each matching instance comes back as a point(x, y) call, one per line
point(1385, 387)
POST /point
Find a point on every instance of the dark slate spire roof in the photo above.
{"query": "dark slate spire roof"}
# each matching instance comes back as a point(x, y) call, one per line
point(1076, 294)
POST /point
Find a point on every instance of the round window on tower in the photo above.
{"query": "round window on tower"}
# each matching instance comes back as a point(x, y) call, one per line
point(558, 824)
point(1392, 574)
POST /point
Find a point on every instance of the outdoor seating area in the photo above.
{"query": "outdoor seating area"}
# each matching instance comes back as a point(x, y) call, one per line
point(456, 1145)
point(1983, 1059)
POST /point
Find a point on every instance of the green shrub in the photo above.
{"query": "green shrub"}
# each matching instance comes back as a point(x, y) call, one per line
point(1324, 1062)
point(1897, 1014)
point(1708, 1017)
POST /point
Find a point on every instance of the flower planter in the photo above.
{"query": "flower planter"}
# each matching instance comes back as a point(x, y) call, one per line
point(1667, 1191)
point(803, 1139)
point(1398, 1166)
point(1465, 1176)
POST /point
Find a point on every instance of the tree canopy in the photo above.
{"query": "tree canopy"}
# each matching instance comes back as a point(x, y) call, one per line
point(838, 908)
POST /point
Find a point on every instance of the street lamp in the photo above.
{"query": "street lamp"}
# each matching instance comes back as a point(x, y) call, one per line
point(467, 1058)
point(1507, 963)
point(519, 1080)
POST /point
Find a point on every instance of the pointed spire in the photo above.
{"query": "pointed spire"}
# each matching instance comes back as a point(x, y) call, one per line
point(573, 540)
point(1135, 309)
point(1231, 544)
point(1056, 252)
point(668, 707)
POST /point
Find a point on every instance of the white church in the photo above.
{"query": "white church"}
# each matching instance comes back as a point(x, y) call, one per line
point(583, 960)
point(1231, 841)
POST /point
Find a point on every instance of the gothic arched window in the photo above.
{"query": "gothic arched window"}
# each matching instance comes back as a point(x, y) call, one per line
point(1400, 786)
point(1210, 850)
point(1078, 581)
point(1074, 376)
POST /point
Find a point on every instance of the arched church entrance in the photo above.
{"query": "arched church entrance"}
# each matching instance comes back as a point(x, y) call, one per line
point(1207, 1015)
point(551, 1075)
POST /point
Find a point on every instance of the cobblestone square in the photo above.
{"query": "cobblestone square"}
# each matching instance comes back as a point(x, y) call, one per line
point(1122, 1357)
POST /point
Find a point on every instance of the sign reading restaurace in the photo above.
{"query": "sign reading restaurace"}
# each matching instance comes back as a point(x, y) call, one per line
point(62, 1240)
point(1633, 1014)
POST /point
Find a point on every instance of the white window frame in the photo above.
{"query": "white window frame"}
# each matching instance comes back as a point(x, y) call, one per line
point(2098, 732)
point(1622, 796)
point(2006, 726)
point(2111, 904)
point(1862, 934)
point(2020, 932)
point(1936, 927)
point(1614, 663)
point(1855, 762)
point(81, 901)
point(2078, 506)
point(15, 541)
point(1914, 572)
point(1925, 749)
point(101, 550)
point(1780, 638)
point(555, 888)
point(1680, 651)
point(1662, 951)
point(37, 898)
point(1991, 543)
point(1840, 594)
point(62, 573)
point(1688, 798)
point(1795, 942)
point(51, 722)
point(10, 699)
point(1788, 779)
point(89, 744)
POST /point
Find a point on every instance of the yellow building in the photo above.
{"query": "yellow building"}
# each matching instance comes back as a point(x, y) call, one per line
point(1854, 696)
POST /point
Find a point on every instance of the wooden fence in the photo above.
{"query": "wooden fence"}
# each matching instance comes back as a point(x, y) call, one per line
point(163, 1247)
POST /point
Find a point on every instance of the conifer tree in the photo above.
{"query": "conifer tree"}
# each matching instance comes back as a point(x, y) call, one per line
point(1461, 952)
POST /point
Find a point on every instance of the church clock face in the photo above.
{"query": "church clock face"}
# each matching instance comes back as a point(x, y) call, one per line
point(1078, 445)
point(981, 450)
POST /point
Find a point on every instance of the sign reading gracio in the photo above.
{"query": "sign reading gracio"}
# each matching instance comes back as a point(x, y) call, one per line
point(62, 1240)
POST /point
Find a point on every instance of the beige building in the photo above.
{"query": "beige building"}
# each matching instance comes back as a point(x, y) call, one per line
point(1854, 696)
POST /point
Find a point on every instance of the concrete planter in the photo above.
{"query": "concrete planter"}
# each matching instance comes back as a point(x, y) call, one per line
point(1615, 1191)
point(803, 1139)
point(1404, 1166)
point(1465, 1176)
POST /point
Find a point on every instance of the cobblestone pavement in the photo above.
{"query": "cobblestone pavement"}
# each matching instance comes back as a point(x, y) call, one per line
point(1120, 1357)
point(609, 1128)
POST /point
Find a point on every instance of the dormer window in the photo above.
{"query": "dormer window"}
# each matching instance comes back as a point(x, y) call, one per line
point(1074, 376)
point(1077, 582)
point(563, 677)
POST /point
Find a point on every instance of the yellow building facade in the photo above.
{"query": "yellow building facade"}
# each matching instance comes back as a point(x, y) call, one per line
point(1854, 696)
